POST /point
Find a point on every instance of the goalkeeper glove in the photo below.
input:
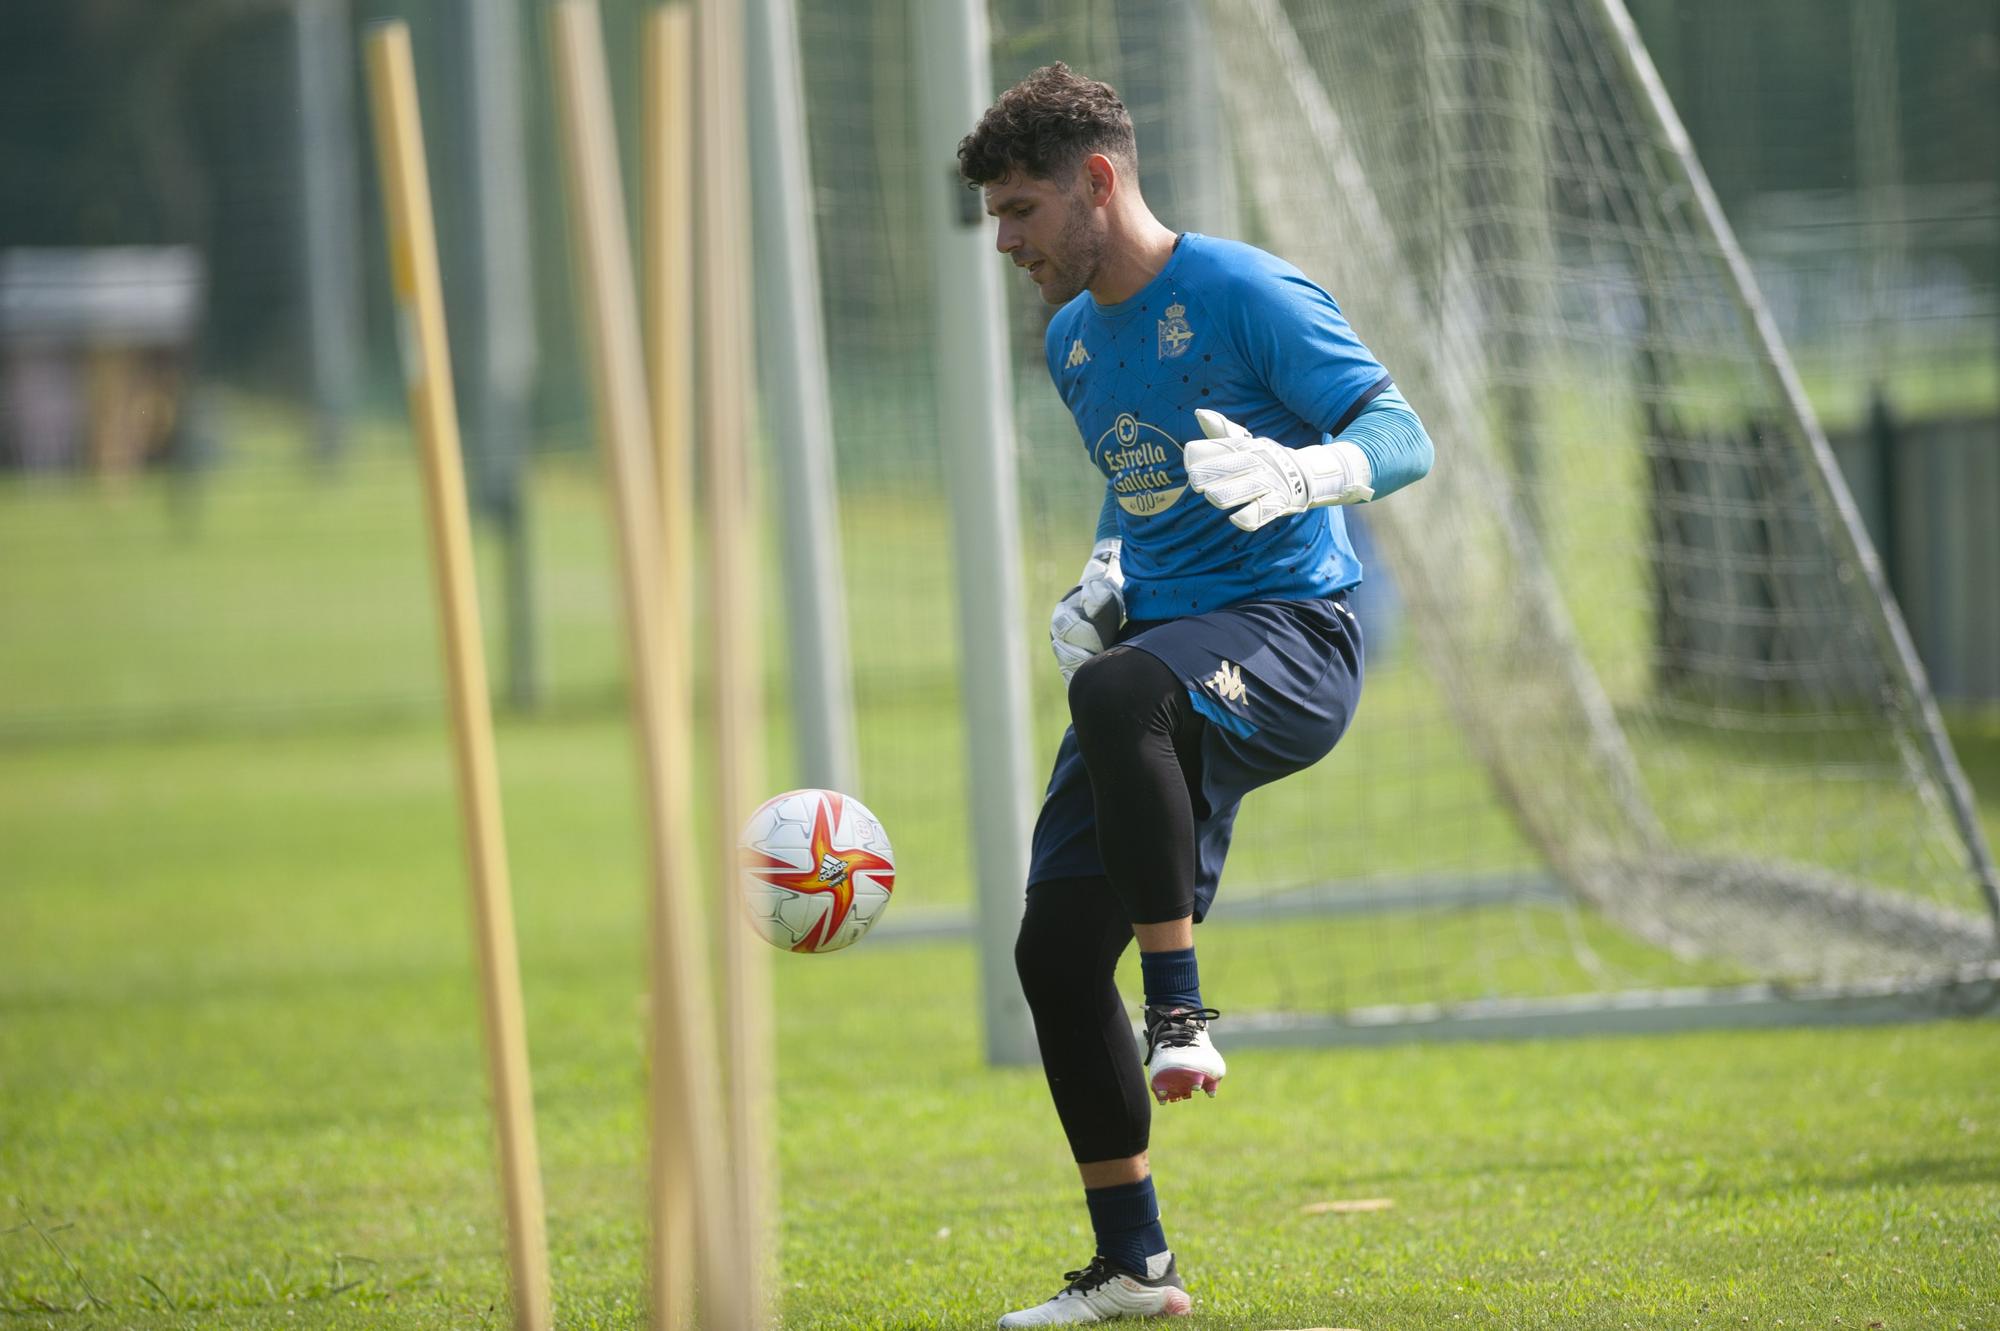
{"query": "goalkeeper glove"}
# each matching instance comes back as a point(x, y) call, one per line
point(1086, 620)
point(1261, 479)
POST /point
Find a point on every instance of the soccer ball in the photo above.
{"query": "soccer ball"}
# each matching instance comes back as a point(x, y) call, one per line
point(816, 870)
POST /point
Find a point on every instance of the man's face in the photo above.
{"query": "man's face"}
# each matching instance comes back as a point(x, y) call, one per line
point(1051, 229)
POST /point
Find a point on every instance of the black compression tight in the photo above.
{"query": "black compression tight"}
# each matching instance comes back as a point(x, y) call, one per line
point(1141, 742)
point(1072, 935)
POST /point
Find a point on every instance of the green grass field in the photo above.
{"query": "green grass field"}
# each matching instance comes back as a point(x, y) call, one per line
point(240, 1073)
point(242, 1087)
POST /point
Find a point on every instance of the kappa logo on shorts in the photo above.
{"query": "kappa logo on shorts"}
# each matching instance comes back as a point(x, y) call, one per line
point(1227, 681)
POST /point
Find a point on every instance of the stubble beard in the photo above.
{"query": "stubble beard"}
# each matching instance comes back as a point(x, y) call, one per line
point(1082, 254)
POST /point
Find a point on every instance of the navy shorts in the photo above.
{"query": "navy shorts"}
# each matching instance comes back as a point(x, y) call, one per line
point(1275, 681)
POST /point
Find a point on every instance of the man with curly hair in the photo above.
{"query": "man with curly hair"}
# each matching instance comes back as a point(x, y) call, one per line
point(1208, 643)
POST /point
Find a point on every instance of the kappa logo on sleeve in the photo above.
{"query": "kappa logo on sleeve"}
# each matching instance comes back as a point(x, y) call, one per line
point(1077, 356)
point(1227, 682)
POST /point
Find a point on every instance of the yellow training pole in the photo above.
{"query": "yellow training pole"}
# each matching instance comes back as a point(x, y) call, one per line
point(668, 222)
point(728, 398)
point(399, 152)
point(668, 249)
point(682, 1041)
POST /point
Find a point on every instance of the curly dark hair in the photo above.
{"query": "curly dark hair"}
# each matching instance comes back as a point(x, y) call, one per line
point(1044, 126)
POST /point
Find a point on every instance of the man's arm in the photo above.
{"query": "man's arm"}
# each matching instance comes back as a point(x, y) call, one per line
point(1107, 516)
point(1392, 441)
point(1258, 480)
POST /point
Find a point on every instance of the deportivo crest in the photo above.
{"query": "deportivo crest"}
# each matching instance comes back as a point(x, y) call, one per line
point(1174, 332)
point(1227, 681)
point(1143, 463)
point(1077, 356)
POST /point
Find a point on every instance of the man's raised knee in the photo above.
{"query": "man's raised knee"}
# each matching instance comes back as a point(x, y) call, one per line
point(1095, 683)
point(1119, 691)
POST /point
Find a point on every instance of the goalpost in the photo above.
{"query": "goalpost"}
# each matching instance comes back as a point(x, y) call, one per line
point(1644, 744)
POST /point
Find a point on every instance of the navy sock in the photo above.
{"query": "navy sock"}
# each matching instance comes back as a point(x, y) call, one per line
point(1126, 1217)
point(1171, 979)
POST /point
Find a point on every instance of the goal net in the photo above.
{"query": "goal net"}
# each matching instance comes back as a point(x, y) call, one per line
point(1642, 733)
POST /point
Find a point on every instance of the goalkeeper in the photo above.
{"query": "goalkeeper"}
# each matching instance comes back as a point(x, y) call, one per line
point(1208, 644)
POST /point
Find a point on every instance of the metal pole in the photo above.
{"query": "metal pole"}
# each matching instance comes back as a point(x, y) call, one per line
point(798, 407)
point(500, 351)
point(1878, 170)
point(955, 86)
point(328, 216)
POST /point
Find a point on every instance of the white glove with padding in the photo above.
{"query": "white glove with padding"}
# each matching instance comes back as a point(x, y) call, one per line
point(1259, 480)
point(1087, 619)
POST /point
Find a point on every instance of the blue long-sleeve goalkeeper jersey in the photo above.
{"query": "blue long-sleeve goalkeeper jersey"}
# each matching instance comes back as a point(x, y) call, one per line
point(1231, 328)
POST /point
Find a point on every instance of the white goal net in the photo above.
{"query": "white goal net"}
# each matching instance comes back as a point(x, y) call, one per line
point(1641, 731)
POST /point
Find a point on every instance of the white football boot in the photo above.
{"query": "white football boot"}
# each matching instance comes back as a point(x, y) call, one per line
point(1100, 1292)
point(1180, 1054)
